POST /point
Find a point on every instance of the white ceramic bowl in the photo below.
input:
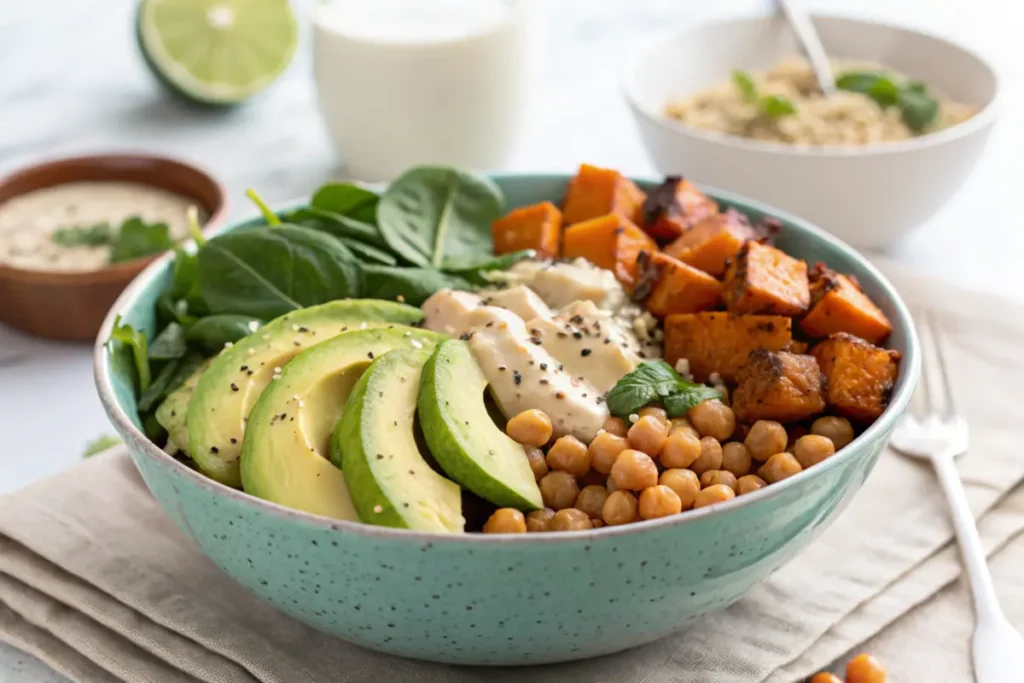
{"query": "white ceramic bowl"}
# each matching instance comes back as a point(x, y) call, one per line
point(868, 196)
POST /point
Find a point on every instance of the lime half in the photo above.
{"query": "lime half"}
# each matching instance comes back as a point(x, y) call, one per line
point(217, 51)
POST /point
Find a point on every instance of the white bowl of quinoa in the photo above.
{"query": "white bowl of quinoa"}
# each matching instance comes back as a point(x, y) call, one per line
point(731, 104)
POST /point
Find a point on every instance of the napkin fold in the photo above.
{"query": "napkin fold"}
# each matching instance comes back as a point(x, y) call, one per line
point(96, 581)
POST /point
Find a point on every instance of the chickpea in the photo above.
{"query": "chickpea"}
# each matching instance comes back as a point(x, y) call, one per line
point(681, 449)
point(713, 418)
point(570, 519)
point(684, 482)
point(610, 485)
point(865, 669)
point(616, 426)
point(538, 463)
point(825, 677)
point(811, 449)
point(681, 424)
point(749, 483)
point(539, 520)
point(619, 508)
point(592, 478)
point(712, 495)
point(569, 454)
point(795, 432)
point(736, 458)
point(648, 434)
point(531, 427)
point(655, 411)
point(710, 456)
point(765, 439)
point(718, 477)
point(604, 449)
point(634, 471)
point(778, 467)
point(597, 523)
point(558, 490)
point(506, 521)
point(591, 500)
point(659, 501)
point(836, 429)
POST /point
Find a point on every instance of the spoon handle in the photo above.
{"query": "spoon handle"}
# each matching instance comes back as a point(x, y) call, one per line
point(800, 21)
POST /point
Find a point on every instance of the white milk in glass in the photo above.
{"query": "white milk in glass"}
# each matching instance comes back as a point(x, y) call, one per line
point(408, 82)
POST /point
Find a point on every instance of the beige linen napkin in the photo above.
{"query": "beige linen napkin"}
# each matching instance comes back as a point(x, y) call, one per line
point(95, 580)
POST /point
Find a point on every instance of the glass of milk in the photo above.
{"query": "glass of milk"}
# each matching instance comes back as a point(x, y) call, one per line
point(408, 82)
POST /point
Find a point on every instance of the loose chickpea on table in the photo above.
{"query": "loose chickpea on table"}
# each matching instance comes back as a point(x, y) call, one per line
point(861, 669)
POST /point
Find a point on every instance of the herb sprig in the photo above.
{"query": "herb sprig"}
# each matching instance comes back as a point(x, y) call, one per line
point(652, 382)
point(134, 238)
point(770, 106)
point(918, 108)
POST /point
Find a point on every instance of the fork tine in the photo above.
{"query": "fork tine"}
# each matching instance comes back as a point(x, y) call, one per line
point(943, 369)
point(924, 390)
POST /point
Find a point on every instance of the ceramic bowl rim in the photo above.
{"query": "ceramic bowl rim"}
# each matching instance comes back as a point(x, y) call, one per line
point(981, 120)
point(910, 369)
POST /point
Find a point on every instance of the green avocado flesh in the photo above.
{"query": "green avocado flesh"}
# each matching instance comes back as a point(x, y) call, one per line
point(173, 412)
point(463, 438)
point(286, 448)
point(227, 391)
point(374, 443)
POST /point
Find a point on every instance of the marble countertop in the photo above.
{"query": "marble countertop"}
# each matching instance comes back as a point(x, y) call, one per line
point(71, 82)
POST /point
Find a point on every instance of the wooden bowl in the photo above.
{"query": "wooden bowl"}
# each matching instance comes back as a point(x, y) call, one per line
point(72, 305)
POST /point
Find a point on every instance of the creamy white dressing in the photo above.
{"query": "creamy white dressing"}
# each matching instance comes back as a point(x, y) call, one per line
point(27, 222)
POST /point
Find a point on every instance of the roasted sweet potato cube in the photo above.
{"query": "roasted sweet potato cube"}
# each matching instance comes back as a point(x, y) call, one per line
point(674, 207)
point(838, 305)
point(668, 286)
point(611, 242)
point(778, 385)
point(721, 342)
point(765, 280)
point(595, 192)
point(537, 227)
point(710, 244)
point(860, 375)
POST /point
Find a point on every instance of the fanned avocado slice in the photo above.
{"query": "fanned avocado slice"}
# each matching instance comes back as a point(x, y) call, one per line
point(462, 436)
point(375, 445)
point(286, 448)
point(229, 388)
point(173, 412)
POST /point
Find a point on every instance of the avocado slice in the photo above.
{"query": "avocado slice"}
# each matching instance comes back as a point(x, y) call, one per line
point(172, 414)
point(375, 445)
point(286, 448)
point(228, 389)
point(462, 436)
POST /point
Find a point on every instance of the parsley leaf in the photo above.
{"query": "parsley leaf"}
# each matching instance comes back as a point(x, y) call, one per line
point(85, 235)
point(136, 239)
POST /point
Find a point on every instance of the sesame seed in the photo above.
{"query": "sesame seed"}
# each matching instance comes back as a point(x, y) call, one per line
point(369, 354)
point(228, 345)
point(560, 395)
point(251, 352)
point(234, 387)
point(516, 377)
point(400, 299)
point(295, 328)
point(363, 326)
point(416, 344)
point(543, 366)
point(633, 417)
point(277, 370)
point(378, 509)
point(585, 352)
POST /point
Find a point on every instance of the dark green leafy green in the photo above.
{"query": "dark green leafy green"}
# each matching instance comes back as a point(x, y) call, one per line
point(169, 344)
point(267, 271)
point(213, 332)
point(918, 108)
point(269, 216)
point(431, 213)
point(877, 85)
point(125, 336)
point(170, 377)
point(655, 381)
point(342, 227)
point(409, 285)
point(769, 106)
point(136, 239)
point(475, 268)
point(369, 254)
point(346, 199)
point(85, 235)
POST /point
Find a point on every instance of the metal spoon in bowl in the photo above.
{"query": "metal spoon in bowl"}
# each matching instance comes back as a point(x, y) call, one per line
point(800, 21)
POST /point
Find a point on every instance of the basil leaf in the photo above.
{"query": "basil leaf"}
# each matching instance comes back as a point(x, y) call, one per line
point(775, 106)
point(169, 344)
point(265, 272)
point(214, 331)
point(409, 285)
point(135, 341)
point(679, 403)
point(745, 84)
point(918, 108)
point(432, 212)
point(878, 85)
point(475, 268)
point(347, 199)
point(650, 382)
point(137, 239)
point(89, 235)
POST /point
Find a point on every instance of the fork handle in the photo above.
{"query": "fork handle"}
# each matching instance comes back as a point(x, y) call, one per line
point(986, 604)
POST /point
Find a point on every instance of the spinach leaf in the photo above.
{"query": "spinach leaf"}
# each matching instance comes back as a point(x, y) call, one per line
point(269, 216)
point(917, 107)
point(265, 272)
point(172, 376)
point(100, 444)
point(745, 84)
point(136, 239)
point(214, 331)
point(184, 271)
point(153, 430)
point(88, 235)
point(409, 285)
point(650, 382)
point(679, 403)
point(128, 337)
point(369, 254)
point(475, 268)
point(169, 309)
point(346, 199)
point(169, 344)
point(342, 227)
point(433, 212)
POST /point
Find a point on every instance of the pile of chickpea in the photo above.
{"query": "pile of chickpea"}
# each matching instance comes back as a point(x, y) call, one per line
point(861, 669)
point(658, 466)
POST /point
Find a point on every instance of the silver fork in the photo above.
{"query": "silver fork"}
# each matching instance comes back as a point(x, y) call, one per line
point(940, 437)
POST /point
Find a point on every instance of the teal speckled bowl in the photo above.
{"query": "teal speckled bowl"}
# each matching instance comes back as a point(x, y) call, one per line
point(506, 600)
